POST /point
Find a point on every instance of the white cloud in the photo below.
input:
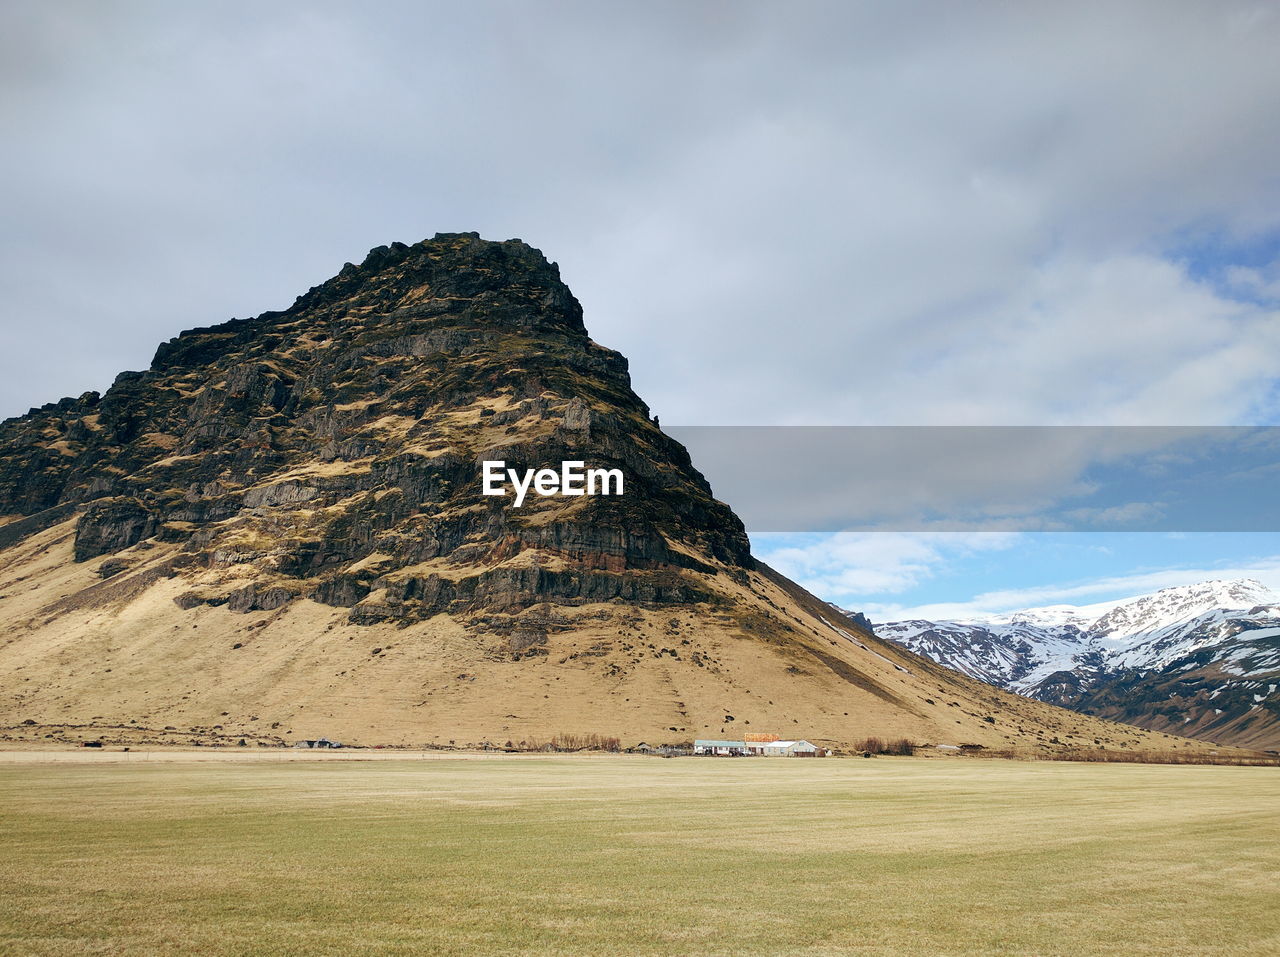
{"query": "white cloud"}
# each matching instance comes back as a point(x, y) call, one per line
point(1266, 571)
point(847, 567)
point(843, 565)
point(1262, 283)
point(1130, 513)
point(865, 214)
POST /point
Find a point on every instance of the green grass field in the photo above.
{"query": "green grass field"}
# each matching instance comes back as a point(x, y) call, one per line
point(618, 855)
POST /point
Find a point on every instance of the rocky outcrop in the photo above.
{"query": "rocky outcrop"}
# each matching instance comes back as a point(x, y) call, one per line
point(298, 444)
point(112, 524)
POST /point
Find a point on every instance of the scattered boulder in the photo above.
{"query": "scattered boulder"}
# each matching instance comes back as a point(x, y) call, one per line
point(112, 566)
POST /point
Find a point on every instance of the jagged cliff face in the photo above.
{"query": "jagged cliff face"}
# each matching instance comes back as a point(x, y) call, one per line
point(332, 451)
point(278, 531)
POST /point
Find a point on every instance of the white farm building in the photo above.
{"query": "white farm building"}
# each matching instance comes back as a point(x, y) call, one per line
point(790, 749)
point(721, 748)
point(784, 749)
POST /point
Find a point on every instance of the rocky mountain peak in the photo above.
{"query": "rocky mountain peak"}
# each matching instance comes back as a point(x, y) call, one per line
point(507, 283)
point(452, 267)
point(1178, 603)
point(334, 450)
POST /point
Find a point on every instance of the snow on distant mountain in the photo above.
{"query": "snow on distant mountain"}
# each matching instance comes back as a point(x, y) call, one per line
point(1110, 658)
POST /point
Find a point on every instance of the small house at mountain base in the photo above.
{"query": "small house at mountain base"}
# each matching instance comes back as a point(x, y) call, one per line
point(771, 748)
point(724, 749)
point(792, 749)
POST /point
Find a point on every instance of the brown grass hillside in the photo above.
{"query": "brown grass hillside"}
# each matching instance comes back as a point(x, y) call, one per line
point(83, 658)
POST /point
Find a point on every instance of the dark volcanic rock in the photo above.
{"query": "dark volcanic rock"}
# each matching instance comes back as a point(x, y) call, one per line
point(110, 525)
point(112, 566)
point(334, 449)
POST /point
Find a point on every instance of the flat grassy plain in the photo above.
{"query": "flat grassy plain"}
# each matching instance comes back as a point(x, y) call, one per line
point(624, 855)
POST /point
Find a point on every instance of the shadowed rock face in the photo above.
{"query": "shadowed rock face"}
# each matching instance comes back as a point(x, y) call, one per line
point(333, 451)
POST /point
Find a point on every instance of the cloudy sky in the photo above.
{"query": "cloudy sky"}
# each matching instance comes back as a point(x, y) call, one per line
point(807, 213)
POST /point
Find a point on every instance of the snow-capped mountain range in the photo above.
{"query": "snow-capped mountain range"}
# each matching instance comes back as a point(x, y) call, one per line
point(1217, 638)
